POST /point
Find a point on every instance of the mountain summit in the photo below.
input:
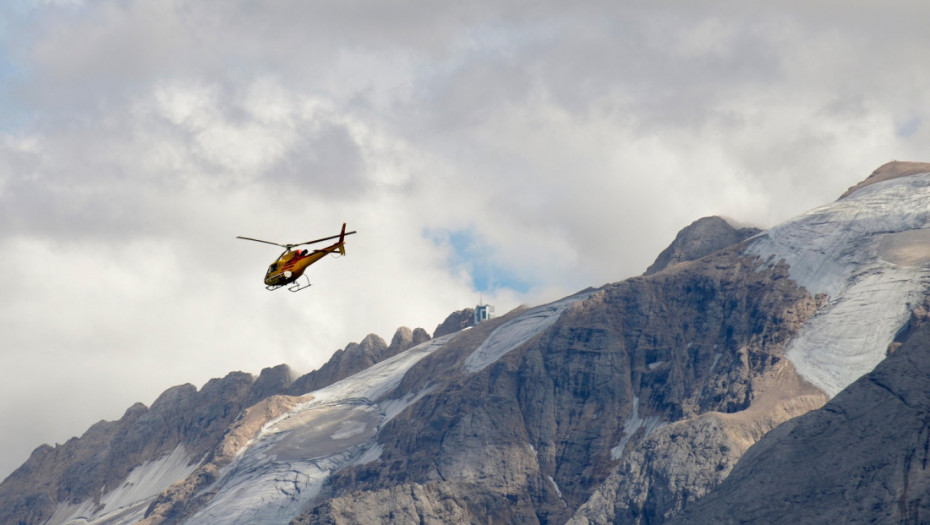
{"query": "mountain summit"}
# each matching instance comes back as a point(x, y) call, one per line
point(702, 237)
point(666, 396)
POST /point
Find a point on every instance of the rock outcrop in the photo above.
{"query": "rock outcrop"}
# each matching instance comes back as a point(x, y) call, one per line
point(184, 497)
point(888, 171)
point(356, 357)
point(456, 321)
point(863, 458)
point(679, 463)
point(701, 238)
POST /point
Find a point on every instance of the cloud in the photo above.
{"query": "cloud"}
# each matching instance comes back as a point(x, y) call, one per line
point(519, 150)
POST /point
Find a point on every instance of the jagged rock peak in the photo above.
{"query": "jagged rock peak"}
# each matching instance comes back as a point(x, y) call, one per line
point(405, 338)
point(888, 171)
point(456, 321)
point(272, 380)
point(356, 357)
point(699, 239)
point(372, 342)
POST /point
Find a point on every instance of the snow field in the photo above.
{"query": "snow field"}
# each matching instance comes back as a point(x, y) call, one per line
point(514, 333)
point(128, 502)
point(285, 466)
point(837, 250)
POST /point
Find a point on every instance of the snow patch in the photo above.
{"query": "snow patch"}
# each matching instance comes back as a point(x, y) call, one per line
point(855, 251)
point(379, 379)
point(372, 454)
point(348, 429)
point(632, 425)
point(128, 502)
point(515, 332)
point(558, 491)
point(392, 407)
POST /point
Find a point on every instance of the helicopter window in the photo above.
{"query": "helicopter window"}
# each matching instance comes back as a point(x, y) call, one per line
point(273, 267)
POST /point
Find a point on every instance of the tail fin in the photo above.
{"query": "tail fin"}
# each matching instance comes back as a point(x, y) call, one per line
point(342, 240)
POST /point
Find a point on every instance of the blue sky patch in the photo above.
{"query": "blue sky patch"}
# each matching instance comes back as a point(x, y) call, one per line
point(470, 253)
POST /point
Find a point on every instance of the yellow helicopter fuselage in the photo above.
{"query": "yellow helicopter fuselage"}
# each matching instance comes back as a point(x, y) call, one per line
point(292, 264)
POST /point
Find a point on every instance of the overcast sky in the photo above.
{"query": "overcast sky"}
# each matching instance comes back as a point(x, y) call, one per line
point(511, 150)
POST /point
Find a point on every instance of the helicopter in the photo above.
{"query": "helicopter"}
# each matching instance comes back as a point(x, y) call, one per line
point(290, 265)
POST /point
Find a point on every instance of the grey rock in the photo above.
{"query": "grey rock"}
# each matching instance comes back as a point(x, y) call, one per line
point(701, 238)
point(677, 464)
point(356, 357)
point(271, 381)
point(456, 321)
point(207, 422)
point(888, 171)
point(862, 458)
point(104, 455)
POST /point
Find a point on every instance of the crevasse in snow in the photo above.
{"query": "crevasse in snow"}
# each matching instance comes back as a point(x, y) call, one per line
point(869, 254)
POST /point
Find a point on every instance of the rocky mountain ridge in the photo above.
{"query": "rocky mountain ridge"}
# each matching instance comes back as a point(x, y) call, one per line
point(630, 403)
point(73, 474)
point(699, 239)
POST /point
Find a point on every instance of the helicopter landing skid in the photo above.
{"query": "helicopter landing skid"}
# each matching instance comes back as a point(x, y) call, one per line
point(300, 284)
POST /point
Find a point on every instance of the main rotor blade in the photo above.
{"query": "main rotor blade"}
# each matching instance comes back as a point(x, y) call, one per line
point(323, 239)
point(266, 242)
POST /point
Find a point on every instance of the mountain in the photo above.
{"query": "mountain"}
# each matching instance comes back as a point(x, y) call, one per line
point(148, 449)
point(720, 385)
point(702, 237)
point(862, 459)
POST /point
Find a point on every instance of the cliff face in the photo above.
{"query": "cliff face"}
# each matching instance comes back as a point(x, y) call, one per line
point(862, 459)
point(456, 321)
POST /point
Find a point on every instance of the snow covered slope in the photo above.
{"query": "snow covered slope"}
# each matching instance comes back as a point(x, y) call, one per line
point(869, 254)
point(285, 466)
point(127, 502)
point(514, 333)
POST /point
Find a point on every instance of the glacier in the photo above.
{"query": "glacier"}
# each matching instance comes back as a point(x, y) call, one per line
point(285, 465)
point(280, 471)
point(127, 502)
point(868, 254)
